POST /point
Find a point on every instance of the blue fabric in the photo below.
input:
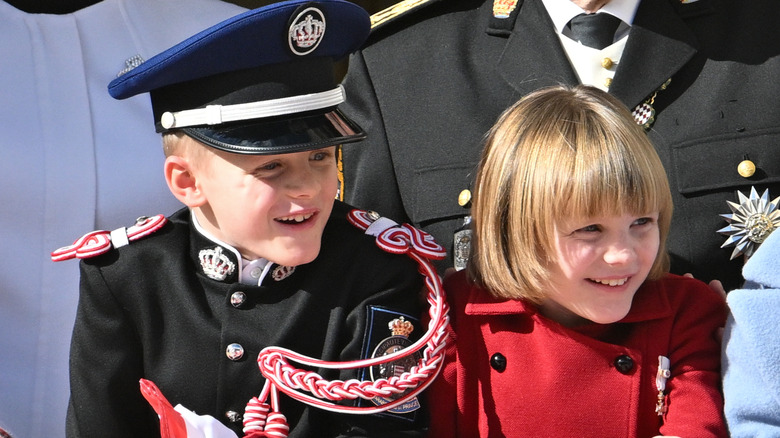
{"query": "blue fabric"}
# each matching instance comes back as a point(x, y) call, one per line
point(751, 347)
point(252, 39)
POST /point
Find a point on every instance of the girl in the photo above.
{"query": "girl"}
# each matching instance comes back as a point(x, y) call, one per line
point(566, 322)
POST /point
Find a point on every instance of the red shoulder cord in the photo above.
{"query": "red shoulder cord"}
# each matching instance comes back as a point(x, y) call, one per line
point(101, 241)
point(262, 417)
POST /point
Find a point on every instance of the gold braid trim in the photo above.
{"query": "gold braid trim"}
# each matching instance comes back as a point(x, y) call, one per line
point(394, 11)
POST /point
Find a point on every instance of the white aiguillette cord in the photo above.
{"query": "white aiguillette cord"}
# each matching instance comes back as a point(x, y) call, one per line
point(262, 418)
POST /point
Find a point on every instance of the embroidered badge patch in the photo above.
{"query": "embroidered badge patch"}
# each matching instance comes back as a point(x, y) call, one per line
point(389, 332)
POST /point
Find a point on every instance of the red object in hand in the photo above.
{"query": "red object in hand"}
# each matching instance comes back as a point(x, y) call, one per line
point(171, 422)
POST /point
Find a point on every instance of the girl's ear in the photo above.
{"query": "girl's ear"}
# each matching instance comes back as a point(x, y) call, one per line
point(183, 182)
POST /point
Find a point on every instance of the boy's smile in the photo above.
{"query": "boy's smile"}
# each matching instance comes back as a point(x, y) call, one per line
point(268, 206)
point(600, 263)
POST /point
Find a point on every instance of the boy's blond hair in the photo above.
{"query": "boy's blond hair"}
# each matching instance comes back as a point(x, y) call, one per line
point(178, 143)
point(558, 153)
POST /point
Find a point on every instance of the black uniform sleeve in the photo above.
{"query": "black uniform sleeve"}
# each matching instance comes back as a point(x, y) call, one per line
point(385, 286)
point(105, 367)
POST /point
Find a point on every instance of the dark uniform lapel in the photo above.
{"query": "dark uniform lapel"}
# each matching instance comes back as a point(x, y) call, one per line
point(658, 46)
point(534, 57)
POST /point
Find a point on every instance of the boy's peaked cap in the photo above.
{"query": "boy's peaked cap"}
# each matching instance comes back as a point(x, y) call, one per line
point(262, 82)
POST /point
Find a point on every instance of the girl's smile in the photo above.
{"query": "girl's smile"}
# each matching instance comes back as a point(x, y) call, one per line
point(600, 263)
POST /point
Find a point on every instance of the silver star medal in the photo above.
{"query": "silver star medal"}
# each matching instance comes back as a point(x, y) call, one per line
point(751, 221)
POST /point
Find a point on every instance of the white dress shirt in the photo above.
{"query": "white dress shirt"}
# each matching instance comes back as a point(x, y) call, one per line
point(589, 63)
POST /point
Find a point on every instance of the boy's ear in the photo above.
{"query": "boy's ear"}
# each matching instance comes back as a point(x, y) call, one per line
point(183, 182)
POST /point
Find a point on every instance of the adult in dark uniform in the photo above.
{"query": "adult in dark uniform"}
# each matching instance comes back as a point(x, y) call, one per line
point(431, 81)
point(263, 255)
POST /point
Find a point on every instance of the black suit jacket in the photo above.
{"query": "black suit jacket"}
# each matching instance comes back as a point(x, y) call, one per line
point(147, 310)
point(430, 84)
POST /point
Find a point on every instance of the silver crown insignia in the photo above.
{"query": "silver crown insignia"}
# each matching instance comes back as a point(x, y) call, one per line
point(131, 63)
point(216, 265)
point(307, 33)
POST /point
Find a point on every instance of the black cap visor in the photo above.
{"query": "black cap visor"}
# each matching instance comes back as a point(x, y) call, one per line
point(281, 135)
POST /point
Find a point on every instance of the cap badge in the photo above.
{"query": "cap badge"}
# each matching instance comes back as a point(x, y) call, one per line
point(306, 31)
point(281, 272)
point(216, 266)
point(751, 221)
point(400, 329)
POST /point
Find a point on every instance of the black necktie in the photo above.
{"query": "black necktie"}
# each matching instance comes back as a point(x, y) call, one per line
point(594, 30)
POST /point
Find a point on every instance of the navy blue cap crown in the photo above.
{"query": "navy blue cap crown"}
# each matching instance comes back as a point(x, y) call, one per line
point(262, 82)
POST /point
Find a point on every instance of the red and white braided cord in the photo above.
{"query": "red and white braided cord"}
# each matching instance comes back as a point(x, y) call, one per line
point(99, 242)
point(281, 376)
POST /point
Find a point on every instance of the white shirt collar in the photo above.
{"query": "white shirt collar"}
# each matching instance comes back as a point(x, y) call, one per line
point(562, 11)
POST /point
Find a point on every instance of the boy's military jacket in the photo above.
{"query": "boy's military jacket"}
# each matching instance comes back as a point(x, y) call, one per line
point(147, 310)
point(429, 84)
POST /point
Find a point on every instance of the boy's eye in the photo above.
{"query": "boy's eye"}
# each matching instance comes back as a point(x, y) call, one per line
point(269, 166)
point(321, 155)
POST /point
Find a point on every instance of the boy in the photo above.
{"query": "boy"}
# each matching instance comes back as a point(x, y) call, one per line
point(261, 257)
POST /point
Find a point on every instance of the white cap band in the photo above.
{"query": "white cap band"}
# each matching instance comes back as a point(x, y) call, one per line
point(217, 114)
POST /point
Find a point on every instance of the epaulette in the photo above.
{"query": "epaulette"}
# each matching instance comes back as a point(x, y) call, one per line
point(397, 10)
point(101, 241)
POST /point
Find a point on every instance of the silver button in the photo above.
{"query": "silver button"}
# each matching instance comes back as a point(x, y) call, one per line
point(256, 272)
point(237, 299)
point(234, 351)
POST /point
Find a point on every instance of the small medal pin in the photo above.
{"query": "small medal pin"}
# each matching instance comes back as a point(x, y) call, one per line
point(644, 113)
point(750, 222)
point(660, 382)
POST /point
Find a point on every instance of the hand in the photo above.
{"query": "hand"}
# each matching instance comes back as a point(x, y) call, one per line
point(715, 285)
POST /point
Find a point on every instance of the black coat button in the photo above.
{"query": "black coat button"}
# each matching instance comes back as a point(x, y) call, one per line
point(624, 364)
point(498, 362)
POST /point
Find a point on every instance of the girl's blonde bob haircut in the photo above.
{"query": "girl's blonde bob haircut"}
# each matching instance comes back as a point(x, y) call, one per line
point(558, 153)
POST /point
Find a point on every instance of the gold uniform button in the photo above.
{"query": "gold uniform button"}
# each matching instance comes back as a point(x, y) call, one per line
point(607, 82)
point(607, 63)
point(746, 169)
point(464, 197)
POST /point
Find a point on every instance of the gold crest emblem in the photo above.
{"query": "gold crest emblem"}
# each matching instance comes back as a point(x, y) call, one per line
point(502, 8)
